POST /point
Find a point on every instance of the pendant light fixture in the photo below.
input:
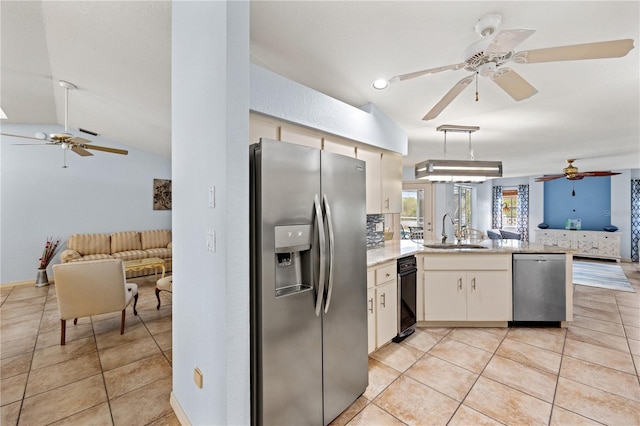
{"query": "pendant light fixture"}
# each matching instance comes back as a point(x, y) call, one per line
point(458, 170)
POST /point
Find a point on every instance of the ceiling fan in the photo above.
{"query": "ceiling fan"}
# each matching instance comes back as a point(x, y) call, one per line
point(66, 140)
point(488, 56)
point(571, 173)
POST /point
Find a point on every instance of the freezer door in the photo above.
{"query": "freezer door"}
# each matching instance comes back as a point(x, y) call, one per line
point(345, 320)
point(286, 333)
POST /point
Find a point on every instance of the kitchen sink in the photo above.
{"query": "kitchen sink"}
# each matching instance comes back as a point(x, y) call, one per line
point(451, 246)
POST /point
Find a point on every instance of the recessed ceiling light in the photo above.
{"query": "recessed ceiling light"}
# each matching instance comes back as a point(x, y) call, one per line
point(380, 84)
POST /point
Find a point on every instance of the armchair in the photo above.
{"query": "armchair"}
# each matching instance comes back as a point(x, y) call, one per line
point(91, 288)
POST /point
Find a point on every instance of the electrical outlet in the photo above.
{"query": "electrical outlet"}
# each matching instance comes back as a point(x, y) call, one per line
point(197, 377)
point(379, 227)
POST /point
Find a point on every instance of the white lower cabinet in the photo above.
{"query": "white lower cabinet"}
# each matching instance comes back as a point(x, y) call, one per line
point(382, 304)
point(467, 288)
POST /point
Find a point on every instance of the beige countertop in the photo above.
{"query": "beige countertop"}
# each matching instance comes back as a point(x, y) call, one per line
point(399, 248)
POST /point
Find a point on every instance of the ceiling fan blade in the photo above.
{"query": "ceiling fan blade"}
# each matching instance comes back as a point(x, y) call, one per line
point(549, 177)
point(599, 50)
point(506, 40)
point(513, 83)
point(20, 136)
point(411, 75)
point(81, 151)
point(448, 98)
point(597, 173)
point(78, 140)
point(105, 149)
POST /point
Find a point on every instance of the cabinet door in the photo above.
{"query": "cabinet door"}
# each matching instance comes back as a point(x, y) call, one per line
point(445, 296)
point(387, 312)
point(420, 293)
point(260, 127)
point(608, 247)
point(301, 137)
point(488, 296)
point(371, 319)
point(586, 245)
point(337, 147)
point(373, 160)
point(391, 181)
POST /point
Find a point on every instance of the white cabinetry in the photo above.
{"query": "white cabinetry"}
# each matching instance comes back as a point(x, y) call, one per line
point(384, 168)
point(382, 304)
point(601, 244)
point(391, 176)
point(384, 180)
point(374, 176)
point(467, 287)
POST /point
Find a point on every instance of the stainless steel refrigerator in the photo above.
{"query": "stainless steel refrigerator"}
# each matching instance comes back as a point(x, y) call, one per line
point(309, 356)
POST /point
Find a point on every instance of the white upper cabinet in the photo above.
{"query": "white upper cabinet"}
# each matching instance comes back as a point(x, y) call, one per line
point(301, 136)
point(391, 176)
point(262, 127)
point(384, 168)
point(374, 179)
point(339, 146)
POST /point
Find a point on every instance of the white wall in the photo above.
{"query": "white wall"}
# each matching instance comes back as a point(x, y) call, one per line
point(277, 96)
point(210, 131)
point(40, 199)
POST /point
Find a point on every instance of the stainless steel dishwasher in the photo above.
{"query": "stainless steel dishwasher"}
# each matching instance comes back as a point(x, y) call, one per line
point(539, 287)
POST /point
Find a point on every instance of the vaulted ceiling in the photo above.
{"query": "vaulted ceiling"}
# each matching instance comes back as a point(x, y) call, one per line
point(119, 56)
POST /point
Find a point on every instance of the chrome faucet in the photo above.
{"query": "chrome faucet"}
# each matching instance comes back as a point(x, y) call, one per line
point(444, 234)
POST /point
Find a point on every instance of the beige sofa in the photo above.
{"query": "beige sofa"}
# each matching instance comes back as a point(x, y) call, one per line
point(128, 245)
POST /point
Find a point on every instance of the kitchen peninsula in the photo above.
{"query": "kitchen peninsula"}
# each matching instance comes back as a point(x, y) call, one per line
point(465, 285)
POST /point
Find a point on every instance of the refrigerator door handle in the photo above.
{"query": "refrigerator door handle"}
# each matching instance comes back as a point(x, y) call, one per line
point(320, 283)
point(327, 209)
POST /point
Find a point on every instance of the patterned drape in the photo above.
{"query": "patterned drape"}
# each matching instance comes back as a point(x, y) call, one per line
point(496, 210)
point(523, 212)
point(635, 218)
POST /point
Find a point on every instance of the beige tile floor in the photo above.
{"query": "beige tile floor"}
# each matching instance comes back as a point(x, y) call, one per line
point(99, 377)
point(585, 374)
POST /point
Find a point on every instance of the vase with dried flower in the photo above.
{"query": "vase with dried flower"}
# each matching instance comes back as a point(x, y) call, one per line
point(51, 247)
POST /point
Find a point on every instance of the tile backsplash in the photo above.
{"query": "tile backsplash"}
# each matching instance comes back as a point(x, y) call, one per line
point(375, 230)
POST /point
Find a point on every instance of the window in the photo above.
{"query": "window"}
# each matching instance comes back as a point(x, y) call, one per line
point(463, 213)
point(509, 208)
point(412, 217)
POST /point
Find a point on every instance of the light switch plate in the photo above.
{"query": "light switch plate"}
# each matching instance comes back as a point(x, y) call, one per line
point(197, 377)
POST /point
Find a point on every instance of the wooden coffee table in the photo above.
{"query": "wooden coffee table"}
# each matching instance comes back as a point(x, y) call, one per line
point(142, 264)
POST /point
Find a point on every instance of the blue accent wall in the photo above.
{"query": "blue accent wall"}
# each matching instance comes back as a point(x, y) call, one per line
point(591, 204)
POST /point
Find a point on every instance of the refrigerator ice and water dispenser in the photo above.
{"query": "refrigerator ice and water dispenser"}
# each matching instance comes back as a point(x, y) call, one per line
point(292, 258)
